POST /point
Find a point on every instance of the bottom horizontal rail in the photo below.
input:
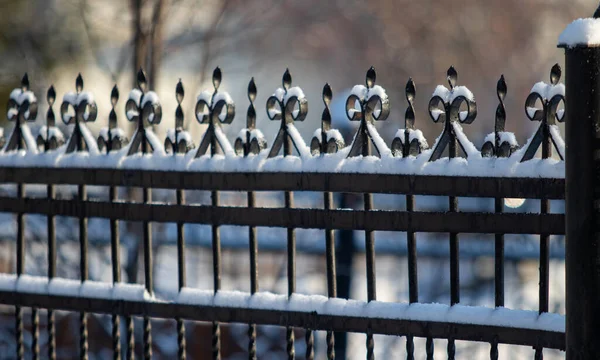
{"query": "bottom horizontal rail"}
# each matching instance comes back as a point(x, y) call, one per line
point(517, 327)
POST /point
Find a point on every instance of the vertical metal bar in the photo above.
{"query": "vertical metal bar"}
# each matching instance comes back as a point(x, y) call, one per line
point(498, 271)
point(331, 271)
point(51, 225)
point(115, 248)
point(20, 270)
point(148, 262)
point(181, 344)
point(291, 250)
point(130, 338)
point(216, 248)
point(83, 256)
point(544, 241)
point(582, 200)
point(454, 256)
point(253, 248)
point(369, 247)
point(413, 282)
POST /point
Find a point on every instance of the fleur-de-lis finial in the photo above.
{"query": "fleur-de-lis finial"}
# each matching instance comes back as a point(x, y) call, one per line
point(367, 105)
point(445, 106)
point(287, 104)
point(83, 109)
point(326, 139)
point(143, 107)
point(49, 136)
point(112, 137)
point(542, 105)
point(21, 107)
point(178, 140)
point(214, 109)
point(250, 140)
point(409, 141)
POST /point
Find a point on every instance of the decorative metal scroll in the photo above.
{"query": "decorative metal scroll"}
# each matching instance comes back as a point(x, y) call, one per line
point(542, 105)
point(287, 105)
point(84, 110)
point(22, 106)
point(367, 105)
point(500, 143)
point(50, 137)
point(446, 105)
point(112, 137)
point(214, 110)
point(326, 140)
point(142, 107)
point(178, 140)
point(250, 140)
point(409, 141)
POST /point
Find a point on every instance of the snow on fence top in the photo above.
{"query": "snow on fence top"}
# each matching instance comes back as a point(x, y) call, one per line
point(457, 314)
point(408, 153)
point(581, 32)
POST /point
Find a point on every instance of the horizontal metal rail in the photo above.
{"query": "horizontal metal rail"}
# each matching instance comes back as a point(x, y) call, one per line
point(506, 187)
point(288, 318)
point(458, 222)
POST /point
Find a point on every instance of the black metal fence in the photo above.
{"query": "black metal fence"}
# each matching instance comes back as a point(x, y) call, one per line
point(326, 166)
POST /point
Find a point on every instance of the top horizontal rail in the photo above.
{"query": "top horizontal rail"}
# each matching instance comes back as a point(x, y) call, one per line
point(533, 188)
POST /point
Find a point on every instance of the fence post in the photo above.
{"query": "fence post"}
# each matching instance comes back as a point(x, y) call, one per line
point(582, 175)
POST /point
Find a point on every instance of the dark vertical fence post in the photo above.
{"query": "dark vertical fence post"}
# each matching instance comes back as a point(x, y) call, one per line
point(582, 64)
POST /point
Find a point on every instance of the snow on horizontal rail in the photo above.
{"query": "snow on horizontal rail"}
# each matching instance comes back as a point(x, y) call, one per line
point(475, 165)
point(456, 314)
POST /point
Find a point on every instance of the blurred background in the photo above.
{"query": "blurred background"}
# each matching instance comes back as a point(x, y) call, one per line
point(332, 41)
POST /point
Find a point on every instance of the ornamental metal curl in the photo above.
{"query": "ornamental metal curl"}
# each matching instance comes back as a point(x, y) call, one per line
point(178, 140)
point(142, 107)
point(22, 106)
point(49, 136)
point(111, 137)
point(499, 143)
point(250, 140)
point(367, 105)
point(445, 106)
point(409, 141)
point(326, 140)
point(542, 105)
point(78, 108)
point(287, 104)
point(214, 109)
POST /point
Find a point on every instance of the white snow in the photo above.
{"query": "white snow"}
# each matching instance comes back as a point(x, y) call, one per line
point(157, 146)
point(505, 136)
point(299, 143)
point(54, 132)
point(29, 139)
point(467, 145)
point(183, 135)
point(67, 287)
point(135, 95)
point(359, 91)
point(279, 94)
point(12, 112)
point(558, 140)
point(221, 95)
point(581, 32)
point(329, 134)
point(442, 92)
point(456, 314)
point(150, 98)
point(90, 141)
point(294, 91)
point(547, 91)
point(363, 93)
point(412, 135)
point(19, 96)
point(225, 145)
point(117, 132)
point(450, 95)
point(382, 147)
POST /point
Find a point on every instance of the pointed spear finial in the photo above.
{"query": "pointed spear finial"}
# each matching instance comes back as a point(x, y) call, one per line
point(25, 82)
point(286, 81)
point(371, 77)
point(597, 13)
point(79, 83)
point(216, 78)
point(141, 79)
point(452, 76)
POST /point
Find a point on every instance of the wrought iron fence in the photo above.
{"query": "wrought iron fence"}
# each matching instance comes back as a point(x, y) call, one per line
point(499, 170)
